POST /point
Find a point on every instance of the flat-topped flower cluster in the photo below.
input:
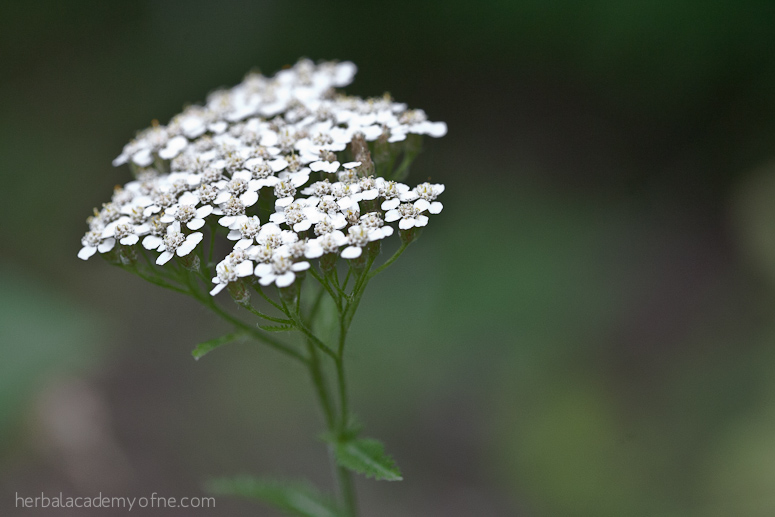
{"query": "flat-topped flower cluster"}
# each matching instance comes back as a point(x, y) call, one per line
point(266, 162)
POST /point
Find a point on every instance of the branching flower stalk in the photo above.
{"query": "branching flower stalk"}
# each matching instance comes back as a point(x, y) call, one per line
point(303, 182)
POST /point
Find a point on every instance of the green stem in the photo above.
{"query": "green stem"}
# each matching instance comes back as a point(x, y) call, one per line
point(319, 382)
point(208, 302)
point(248, 307)
point(324, 282)
point(389, 261)
point(295, 317)
point(260, 291)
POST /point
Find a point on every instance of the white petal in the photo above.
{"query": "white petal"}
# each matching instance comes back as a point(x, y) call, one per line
point(174, 146)
point(195, 224)
point(285, 279)
point(278, 164)
point(436, 129)
point(396, 136)
point(234, 235)
point(218, 127)
point(227, 220)
point(351, 252)
point(351, 165)
point(86, 252)
point(164, 258)
point(129, 240)
point(345, 203)
point(370, 194)
point(249, 198)
point(405, 224)
point(195, 238)
point(300, 266)
point(188, 198)
point(217, 289)
point(263, 269)
point(243, 175)
point(243, 244)
point(106, 245)
point(185, 248)
point(143, 158)
point(392, 215)
point(390, 204)
point(266, 279)
point(421, 220)
point(285, 201)
point(204, 211)
point(421, 205)
point(302, 226)
point(314, 250)
point(435, 207)
point(152, 242)
point(322, 165)
point(244, 268)
point(222, 197)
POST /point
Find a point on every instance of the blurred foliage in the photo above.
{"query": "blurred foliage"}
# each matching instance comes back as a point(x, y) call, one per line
point(43, 335)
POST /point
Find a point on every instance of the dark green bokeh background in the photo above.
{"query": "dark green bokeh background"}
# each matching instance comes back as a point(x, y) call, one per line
point(586, 330)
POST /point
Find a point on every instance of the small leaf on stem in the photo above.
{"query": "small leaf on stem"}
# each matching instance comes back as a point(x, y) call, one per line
point(204, 348)
point(367, 456)
point(293, 498)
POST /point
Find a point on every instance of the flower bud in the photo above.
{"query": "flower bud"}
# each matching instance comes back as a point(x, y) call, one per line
point(410, 235)
point(190, 262)
point(239, 292)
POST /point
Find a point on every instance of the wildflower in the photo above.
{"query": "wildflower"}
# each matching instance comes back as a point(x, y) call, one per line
point(426, 193)
point(177, 243)
point(359, 236)
point(269, 133)
point(280, 271)
point(409, 215)
point(244, 230)
point(194, 218)
point(230, 270)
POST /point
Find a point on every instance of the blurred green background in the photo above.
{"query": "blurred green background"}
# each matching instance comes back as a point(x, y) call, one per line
point(586, 330)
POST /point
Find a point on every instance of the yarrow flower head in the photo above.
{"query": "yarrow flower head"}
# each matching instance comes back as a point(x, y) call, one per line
point(305, 183)
point(282, 165)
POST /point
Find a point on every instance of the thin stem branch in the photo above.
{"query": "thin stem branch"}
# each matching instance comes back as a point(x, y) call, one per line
point(389, 261)
point(248, 307)
point(208, 302)
point(295, 317)
point(324, 282)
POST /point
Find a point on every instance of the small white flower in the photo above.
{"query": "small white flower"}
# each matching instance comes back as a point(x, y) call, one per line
point(271, 235)
point(231, 209)
point(244, 230)
point(228, 271)
point(157, 231)
point(359, 236)
point(298, 215)
point(176, 242)
point(192, 217)
point(280, 271)
point(327, 243)
point(426, 193)
point(409, 215)
point(391, 191)
point(93, 242)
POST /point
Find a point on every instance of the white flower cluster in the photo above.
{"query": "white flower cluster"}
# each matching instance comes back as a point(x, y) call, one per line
point(276, 139)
